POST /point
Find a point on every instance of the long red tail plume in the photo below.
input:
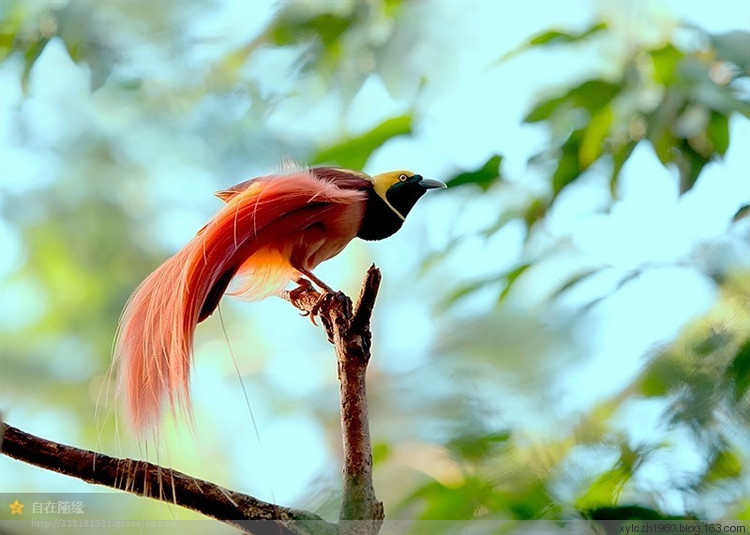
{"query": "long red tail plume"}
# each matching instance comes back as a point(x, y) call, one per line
point(249, 236)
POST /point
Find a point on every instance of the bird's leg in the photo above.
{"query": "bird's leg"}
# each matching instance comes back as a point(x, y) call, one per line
point(322, 285)
point(296, 293)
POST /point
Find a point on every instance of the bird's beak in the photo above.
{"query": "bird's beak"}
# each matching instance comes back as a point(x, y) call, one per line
point(426, 183)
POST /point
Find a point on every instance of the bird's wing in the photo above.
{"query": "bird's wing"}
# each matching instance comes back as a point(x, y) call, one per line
point(228, 194)
point(344, 178)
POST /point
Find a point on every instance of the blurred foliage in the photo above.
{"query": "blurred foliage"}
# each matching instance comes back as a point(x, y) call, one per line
point(679, 102)
point(705, 374)
point(73, 23)
point(687, 123)
point(150, 127)
point(483, 177)
point(354, 152)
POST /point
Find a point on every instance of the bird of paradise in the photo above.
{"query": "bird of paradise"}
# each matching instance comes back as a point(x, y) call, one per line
point(271, 230)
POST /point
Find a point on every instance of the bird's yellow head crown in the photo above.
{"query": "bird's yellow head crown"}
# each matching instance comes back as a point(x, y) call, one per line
point(402, 184)
point(383, 182)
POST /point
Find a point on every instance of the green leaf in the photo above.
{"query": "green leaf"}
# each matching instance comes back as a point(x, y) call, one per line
point(574, 280)
point(660, 123)
point(469, 288)
point(545, 109)
point(725, 464)
point(593, 137)
point(606, 489)
point(508, 277)
point(742, 212)
point(690, 163)
point(652, 385)
point(569, 165)
point(477, 447)
point(511, 278)
point(354, 153)
point(595, 94)
point(739, 371)
point(530, 503)
point(619, 157)
point(664, 146)
point(665, 62)
point(483, 177)
point(717, 132)
point(535, 211)
point(713, 342)
point(591, 95)
point(555, 37)
point(504, 218)
point(290, 28)
point(6, 44)
point(440, 502)
point(663, 375)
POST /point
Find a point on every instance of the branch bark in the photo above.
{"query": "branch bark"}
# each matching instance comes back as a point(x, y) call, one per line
point(146, 479)
point(348, 329)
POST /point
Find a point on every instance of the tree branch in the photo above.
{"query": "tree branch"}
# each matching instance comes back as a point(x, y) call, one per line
point(349, 331)
point(146, 479)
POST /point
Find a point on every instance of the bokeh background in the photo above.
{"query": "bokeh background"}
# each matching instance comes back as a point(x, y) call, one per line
point(563, 333)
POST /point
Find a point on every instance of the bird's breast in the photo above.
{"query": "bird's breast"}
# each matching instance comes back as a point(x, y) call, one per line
point(328, 235)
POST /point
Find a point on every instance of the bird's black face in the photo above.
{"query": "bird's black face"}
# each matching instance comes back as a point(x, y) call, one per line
point(385, 213)
point(404, 194)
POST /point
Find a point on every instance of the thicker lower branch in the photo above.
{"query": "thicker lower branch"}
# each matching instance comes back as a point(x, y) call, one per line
point(348, 328)
point(153, 481)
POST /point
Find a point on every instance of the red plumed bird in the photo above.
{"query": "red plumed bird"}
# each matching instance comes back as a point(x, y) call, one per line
point(272, 230)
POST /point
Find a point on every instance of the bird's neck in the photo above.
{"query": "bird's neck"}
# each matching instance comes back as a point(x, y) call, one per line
point(380, 220)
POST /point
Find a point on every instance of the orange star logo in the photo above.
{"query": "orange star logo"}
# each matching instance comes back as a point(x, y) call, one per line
point(16, 508)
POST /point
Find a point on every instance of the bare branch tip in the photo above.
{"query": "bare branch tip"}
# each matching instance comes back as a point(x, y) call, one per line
point(366, 301)
point(373, 272)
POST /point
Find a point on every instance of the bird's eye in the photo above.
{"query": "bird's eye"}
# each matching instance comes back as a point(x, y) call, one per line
point(402, 177)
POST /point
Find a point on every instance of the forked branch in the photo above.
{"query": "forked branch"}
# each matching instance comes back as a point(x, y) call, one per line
point(348, 329)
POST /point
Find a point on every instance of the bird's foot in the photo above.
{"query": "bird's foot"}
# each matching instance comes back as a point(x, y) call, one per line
point(295, 294)
point(323, 301)
point(305, 285)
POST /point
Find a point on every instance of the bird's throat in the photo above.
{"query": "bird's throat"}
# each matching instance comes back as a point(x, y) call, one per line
point(380, 221)
point(382, 218)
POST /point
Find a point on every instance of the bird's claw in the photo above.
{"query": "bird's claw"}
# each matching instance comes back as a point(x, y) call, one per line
point(322, 302)
point(295, 294)
point(324, 298)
